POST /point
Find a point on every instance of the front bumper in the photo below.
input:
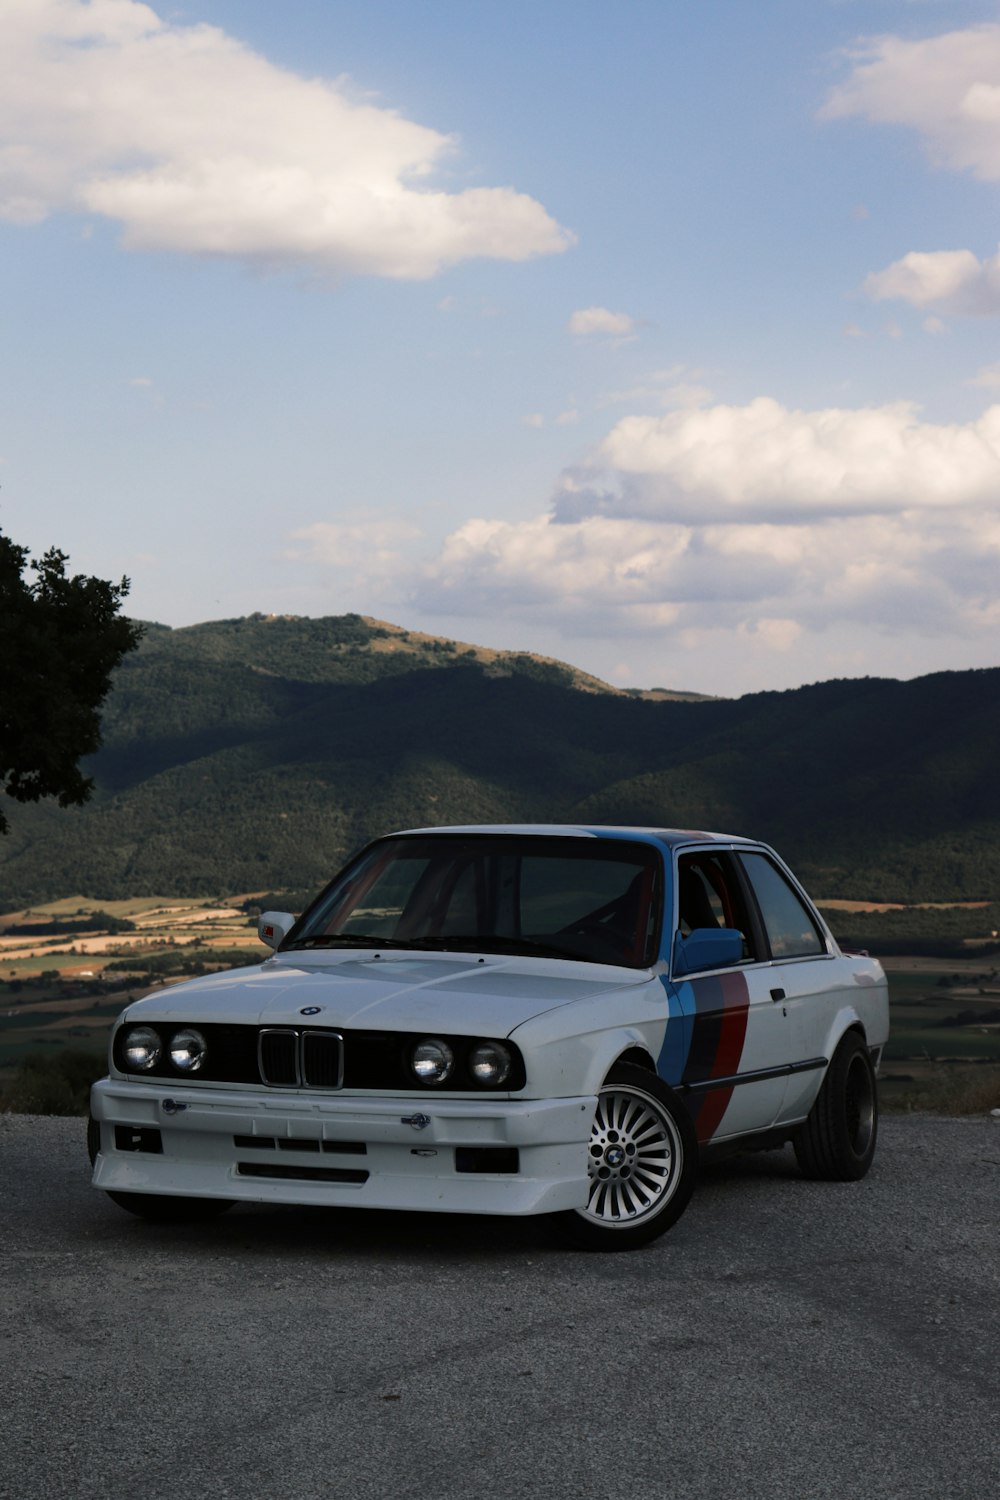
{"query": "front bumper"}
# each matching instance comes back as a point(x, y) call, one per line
point(344, 1151)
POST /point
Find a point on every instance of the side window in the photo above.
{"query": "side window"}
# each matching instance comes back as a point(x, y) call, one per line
point(709, 894)
point(791, 931)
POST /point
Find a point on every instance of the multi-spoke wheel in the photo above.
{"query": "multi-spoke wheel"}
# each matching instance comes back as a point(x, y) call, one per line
point(641, 1165)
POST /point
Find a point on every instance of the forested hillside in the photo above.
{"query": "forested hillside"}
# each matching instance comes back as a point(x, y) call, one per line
point(256, 754)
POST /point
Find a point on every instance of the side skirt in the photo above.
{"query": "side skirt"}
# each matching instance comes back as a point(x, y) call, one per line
point(763, 1140)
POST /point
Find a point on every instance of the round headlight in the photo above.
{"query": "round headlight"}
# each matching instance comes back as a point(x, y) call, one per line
point(188, 1050)
point(490, 1063)
point(432, 1060)
point(142, 1049)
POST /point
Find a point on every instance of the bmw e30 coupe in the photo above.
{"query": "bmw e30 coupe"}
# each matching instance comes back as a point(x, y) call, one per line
point(537, 1019)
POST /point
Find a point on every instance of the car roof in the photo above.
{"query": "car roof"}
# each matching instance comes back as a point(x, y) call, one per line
point(666, 836)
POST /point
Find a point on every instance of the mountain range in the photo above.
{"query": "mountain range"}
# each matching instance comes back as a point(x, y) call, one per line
point(256, 754)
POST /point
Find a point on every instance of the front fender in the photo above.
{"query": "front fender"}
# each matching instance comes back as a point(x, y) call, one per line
point(579, 1064)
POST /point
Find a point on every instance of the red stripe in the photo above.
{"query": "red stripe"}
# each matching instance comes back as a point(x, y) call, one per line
point(736, 1005)
point(736, 1000)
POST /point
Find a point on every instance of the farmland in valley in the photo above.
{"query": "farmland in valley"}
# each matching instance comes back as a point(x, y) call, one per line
point(61, 988)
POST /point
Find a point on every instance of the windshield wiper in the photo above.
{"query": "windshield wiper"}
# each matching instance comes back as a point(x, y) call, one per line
point(345, 940)
point(434, 943)
point(479, 943)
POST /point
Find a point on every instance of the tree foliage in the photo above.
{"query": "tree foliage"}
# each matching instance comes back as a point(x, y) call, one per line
point(61, 638)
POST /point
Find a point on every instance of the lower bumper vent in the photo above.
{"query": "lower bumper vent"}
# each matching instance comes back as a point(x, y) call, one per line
point(138, 1138)
point(273, 1172)
point(500, 1160)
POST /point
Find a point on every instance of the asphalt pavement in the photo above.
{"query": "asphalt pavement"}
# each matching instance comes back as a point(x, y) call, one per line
point(785, 1339)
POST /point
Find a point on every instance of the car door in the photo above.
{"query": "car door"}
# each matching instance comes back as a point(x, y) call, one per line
point(802, 978)
point(728, 1045)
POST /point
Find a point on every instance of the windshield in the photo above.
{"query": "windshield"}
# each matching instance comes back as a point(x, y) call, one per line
point(584, 898)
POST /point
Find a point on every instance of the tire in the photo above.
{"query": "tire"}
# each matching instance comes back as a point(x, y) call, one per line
point(162, 1208)
point(837, 1141)
point(642, 1166)
point(93, 1138)
point(157, 1208)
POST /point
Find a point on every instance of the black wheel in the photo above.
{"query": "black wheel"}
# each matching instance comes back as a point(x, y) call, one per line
point(161, 1208)
point(158, 1209)
point(642, 1166)
point(837, 1141)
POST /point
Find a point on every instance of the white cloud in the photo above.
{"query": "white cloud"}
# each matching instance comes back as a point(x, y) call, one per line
point(568, 418)
point(728, 536)
point(370, 547)
point(935, 326)
point(765, 460)
point(953, 280)
point(533, 419)
point(194, 143)
point(758, 521)
point(613, 578)
point(600, 320)
point(775, 634)
point(945, 87)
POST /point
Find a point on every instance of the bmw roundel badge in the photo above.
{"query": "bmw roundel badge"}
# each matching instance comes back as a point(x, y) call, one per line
point(310, 1010)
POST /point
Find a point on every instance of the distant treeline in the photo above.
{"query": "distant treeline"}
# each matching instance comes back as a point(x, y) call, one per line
point(180, 961)
point(98, 921)
point(945, 932)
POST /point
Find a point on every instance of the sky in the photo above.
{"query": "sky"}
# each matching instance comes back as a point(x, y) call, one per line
point(662, 338)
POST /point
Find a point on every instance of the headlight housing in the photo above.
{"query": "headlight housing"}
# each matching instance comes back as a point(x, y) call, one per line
point(188, 1050)
point(432, 1060)
point(142, 1049)
point(490, 1063)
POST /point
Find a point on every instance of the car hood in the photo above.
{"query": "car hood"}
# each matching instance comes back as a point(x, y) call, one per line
point(454, 993)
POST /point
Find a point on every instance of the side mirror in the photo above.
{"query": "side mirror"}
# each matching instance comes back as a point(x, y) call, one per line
point(274, 926)
point(707, 948)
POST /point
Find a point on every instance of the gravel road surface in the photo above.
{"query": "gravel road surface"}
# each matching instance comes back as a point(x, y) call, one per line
point(786, 1339)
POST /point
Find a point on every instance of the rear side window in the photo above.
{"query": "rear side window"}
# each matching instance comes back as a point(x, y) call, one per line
point(790, 928)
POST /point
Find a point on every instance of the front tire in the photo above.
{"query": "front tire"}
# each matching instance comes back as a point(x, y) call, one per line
point(157, 1208)
point(162, 1208)
point(837, 1141)
point(642, 1164)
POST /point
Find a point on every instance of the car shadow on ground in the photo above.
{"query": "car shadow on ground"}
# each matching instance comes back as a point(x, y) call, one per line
point(265, 1230)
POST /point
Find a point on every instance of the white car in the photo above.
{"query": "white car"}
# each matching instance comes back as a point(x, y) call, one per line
point(505, 1020)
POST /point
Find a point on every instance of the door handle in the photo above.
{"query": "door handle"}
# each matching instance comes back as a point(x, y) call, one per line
point(777, 994)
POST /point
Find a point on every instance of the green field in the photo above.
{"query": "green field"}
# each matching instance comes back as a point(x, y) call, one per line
point(944, 1047)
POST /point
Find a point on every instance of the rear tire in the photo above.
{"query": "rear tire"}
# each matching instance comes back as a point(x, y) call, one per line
point(837, 1141)
point(643, 1162)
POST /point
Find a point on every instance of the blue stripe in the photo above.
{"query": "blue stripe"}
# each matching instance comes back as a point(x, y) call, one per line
point(680, 1029)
